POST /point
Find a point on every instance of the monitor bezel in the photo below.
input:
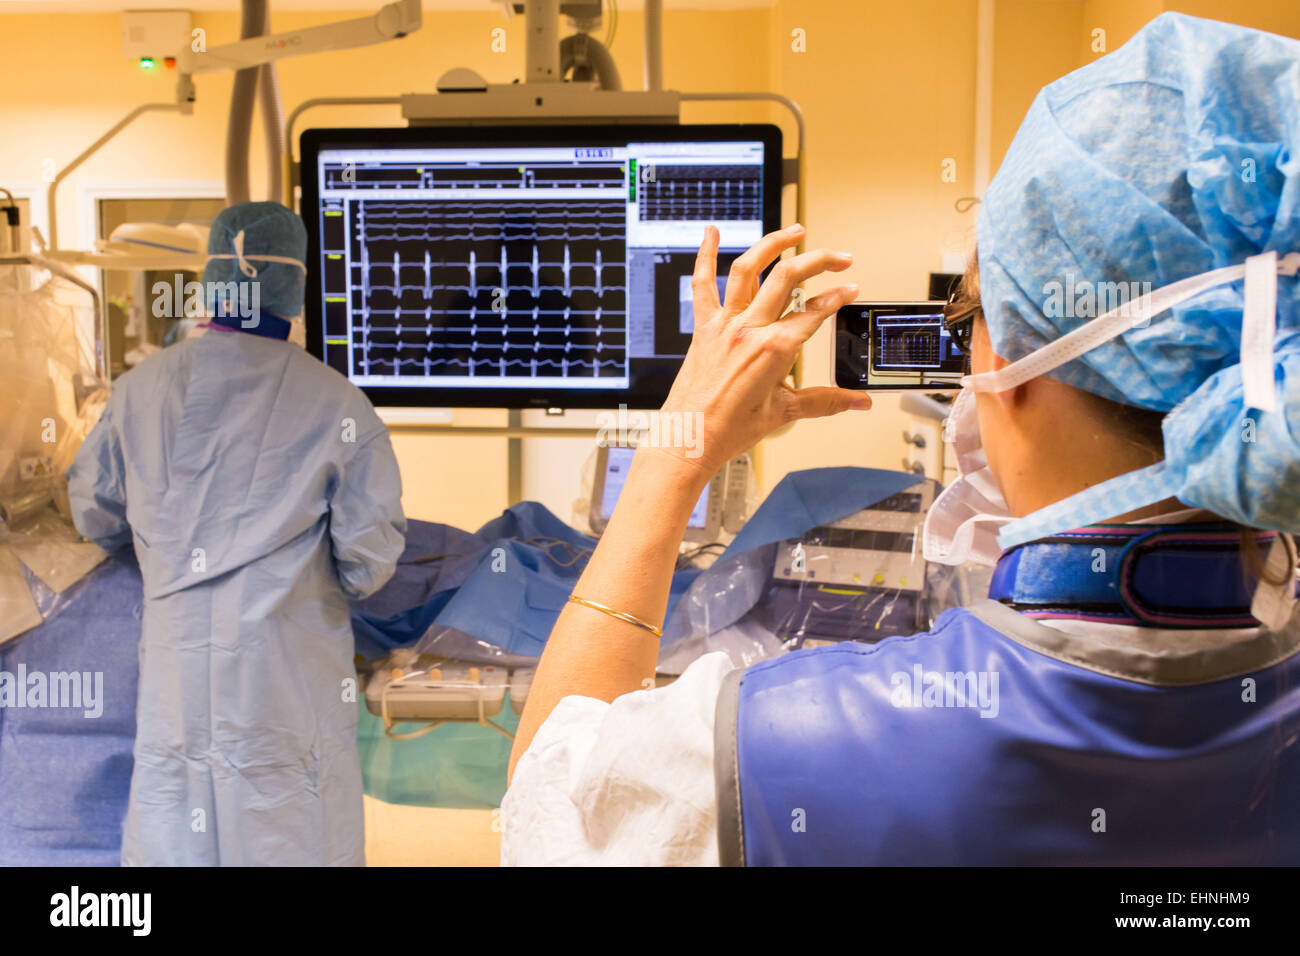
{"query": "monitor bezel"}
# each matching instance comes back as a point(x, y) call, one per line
point(645, 391)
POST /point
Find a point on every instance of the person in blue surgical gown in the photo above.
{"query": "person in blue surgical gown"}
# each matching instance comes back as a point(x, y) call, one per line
point(260, 492)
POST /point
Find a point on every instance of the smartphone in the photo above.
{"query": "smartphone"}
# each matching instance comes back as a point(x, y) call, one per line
point(891, 345)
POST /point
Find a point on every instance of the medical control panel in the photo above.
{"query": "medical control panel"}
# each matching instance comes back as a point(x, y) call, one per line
point(861, 577)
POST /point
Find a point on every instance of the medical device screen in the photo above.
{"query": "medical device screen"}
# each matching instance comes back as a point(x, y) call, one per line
point(895, 345)
point(617, 463)
point(522, 266)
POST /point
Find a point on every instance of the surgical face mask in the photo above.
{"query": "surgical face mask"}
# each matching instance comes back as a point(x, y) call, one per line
point(962, 524)
point(1170, 478)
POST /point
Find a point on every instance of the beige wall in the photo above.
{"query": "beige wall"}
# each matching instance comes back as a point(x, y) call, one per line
point(1276, 16)
point(888, 94)
point(1034, 44)
point(54, 113)
point(887, 90)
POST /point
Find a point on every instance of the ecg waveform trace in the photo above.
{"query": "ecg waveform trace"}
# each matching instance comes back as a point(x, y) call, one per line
point(365, 177)
point(909, 347)
point(700, 193)
point(510, 289)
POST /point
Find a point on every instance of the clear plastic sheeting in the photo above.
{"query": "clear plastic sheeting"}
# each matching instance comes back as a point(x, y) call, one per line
point(449, 643)
point(746, 642)
point(51, 399)
point(18, 609)
point(51, 549)
point(856, 577)
point(438, 720)
point(460, 765)
point(831, 554)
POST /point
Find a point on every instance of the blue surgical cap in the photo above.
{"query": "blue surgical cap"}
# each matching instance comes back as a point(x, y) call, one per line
point(1177, 154)
point(267, 229)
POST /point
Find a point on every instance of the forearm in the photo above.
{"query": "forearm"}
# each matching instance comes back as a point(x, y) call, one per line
point(732, 380)
point(590, 653)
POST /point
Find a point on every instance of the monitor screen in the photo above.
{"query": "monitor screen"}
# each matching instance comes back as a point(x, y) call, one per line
point(522, 267)
point(883, 345)
point(617, 464)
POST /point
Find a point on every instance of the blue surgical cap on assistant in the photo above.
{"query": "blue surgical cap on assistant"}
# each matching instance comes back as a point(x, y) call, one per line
point(1177, 154)
point(241, 236)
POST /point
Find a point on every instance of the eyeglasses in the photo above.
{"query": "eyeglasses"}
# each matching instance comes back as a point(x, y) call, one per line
point(959, 320)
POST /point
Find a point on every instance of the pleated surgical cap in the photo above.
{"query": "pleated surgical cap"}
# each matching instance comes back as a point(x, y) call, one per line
point(261, 242)
point(1176, 154)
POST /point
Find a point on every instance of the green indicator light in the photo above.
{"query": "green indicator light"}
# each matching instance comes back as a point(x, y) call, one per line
point(147, 63)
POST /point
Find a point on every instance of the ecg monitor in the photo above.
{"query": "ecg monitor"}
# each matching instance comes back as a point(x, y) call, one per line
point(522, 266)
point(891, 345)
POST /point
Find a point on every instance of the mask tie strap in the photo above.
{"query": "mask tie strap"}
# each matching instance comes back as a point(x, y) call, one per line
point(246, 267)
point(245, 264)
point(1116, 496)
point(1128, 492)
point(1117, 321)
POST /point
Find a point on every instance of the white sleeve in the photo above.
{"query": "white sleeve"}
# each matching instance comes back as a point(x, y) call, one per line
point(629, 783)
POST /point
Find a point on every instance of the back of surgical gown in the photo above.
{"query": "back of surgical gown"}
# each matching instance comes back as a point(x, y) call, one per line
point(260, 491)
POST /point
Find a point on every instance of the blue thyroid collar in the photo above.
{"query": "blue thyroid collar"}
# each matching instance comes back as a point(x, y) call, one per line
point(1170, 576)
point(267, 325)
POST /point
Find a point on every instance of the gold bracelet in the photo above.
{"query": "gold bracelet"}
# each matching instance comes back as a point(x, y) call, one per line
point(621, 615)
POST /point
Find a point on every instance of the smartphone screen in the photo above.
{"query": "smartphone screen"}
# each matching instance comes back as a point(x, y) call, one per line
point(884, 345)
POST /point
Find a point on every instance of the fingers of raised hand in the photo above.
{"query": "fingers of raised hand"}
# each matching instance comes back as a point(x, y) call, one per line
point(819, 402)
point(786, 275)
point(802, 323)
point(742, 279)
point(704, 281)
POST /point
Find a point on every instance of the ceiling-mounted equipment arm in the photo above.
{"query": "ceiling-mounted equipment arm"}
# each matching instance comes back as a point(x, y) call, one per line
point(254, 22)
point(184, 106)
point(390, 22)
point(654, 45)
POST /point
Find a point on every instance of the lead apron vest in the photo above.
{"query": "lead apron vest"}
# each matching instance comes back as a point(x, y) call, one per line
point(996, 740)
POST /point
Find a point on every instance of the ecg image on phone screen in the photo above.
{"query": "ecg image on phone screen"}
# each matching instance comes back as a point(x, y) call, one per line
point(887, 345)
